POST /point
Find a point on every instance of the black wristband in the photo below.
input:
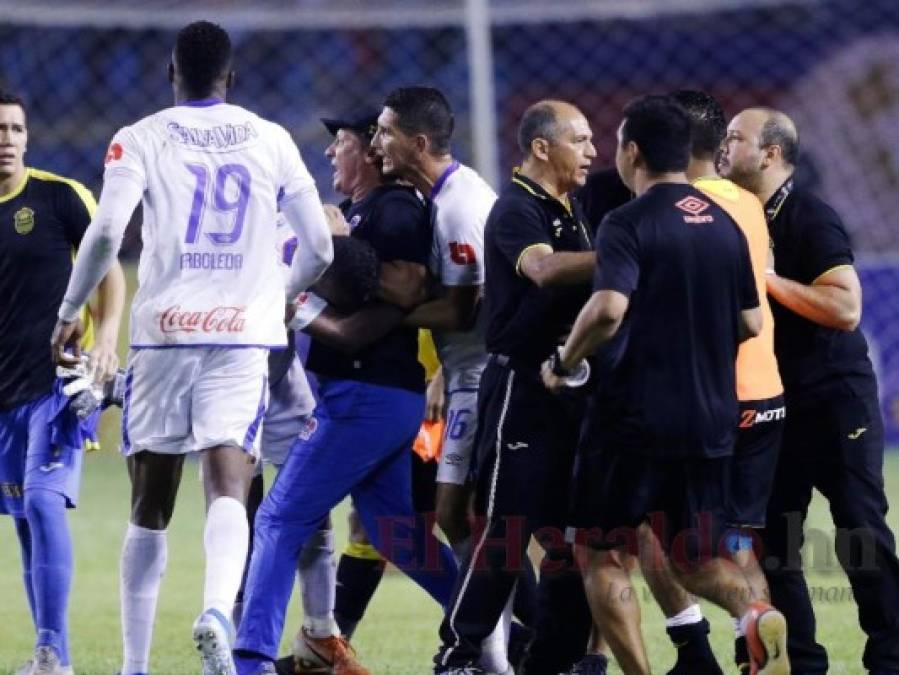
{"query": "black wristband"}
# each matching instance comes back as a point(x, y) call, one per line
point(555, 364)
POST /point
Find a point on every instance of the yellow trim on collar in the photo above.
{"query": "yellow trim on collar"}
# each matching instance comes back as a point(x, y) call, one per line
point(527, 187)
point(83, 193)
point(17, 190)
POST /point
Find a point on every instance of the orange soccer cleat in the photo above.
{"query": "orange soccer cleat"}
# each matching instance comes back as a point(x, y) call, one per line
point(332, 655)
point(766, 638)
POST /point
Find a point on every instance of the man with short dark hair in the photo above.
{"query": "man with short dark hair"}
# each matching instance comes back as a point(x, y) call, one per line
point(538, 261)
point(42, 443)
point(414, 131)
point(833, 436)
point(212, 177)
point(760, 393)
point(674, 295)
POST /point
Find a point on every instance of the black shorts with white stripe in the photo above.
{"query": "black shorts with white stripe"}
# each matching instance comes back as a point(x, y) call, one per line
point(525, 449)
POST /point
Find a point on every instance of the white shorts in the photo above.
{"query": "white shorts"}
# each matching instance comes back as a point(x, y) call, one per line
point(180, 400)
point(458, 437)
point(289, 409)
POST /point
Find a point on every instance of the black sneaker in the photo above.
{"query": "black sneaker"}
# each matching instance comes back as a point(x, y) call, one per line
point(591, 664)
point(694, 653)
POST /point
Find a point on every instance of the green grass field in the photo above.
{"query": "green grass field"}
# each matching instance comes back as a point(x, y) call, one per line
point(397, 637)
point(399, 633)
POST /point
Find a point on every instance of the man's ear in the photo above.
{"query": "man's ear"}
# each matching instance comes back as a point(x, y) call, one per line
point(771, 154)
point(633, 154)
point(540, 149)
point(422, 143)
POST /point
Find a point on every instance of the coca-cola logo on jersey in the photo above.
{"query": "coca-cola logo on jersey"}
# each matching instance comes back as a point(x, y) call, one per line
point(215, 320)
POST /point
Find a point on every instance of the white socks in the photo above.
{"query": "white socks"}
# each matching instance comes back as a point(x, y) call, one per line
point(318, 582)
point(693, 614)
point(225, 539)
point(144, 556)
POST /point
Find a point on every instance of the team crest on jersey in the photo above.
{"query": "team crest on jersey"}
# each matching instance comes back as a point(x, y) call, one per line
point(462, 254)
point(309, 427)
point(694, 206)
point(115, 152)
point(23, 221)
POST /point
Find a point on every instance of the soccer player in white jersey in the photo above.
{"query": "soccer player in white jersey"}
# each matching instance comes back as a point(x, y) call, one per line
point(212, 177)
point(413, 138)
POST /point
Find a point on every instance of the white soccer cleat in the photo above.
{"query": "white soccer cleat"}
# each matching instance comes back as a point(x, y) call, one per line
point(213, 635)
point(45, 662)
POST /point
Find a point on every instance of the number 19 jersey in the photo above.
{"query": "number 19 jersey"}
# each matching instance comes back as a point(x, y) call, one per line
point(213, 175)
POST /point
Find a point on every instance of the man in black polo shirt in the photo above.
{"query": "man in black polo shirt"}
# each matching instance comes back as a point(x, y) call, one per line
point(833, 438)
point(674, 295)
point(539, 261)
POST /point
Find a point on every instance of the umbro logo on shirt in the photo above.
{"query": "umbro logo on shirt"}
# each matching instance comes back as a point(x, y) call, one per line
point(694, 206)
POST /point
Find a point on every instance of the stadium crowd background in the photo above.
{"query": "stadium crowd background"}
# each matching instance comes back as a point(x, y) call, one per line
point(87, 68)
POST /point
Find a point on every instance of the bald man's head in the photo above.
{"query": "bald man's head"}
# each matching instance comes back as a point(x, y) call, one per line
point(758, 139)
point(778, 129)
point(544, 119)
point(556, 135)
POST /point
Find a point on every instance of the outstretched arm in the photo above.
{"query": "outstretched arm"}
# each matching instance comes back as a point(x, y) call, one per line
point(107, 312)
point(347, 333)
point(455, 310)
point(546, 267)
point(834, 299)
point(97, 253)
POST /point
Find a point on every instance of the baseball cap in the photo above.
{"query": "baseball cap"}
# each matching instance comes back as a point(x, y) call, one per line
point(364, 122)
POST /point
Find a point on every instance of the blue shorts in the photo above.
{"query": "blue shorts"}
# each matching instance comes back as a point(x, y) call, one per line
point(41, 446)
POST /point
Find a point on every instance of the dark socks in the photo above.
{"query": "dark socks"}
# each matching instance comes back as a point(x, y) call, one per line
point(357, 581)
point(694, 653)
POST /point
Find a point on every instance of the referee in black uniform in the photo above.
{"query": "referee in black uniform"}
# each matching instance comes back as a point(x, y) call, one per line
point(833, 437)
point(539, 263)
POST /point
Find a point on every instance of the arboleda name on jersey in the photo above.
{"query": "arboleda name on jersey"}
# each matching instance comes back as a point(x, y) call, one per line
point(205, 260)
point(221, 136)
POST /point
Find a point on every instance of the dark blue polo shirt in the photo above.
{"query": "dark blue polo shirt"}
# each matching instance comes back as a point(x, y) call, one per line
point(526, 322)
point(810, 240)
point(395, 221)
point(685, 266)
